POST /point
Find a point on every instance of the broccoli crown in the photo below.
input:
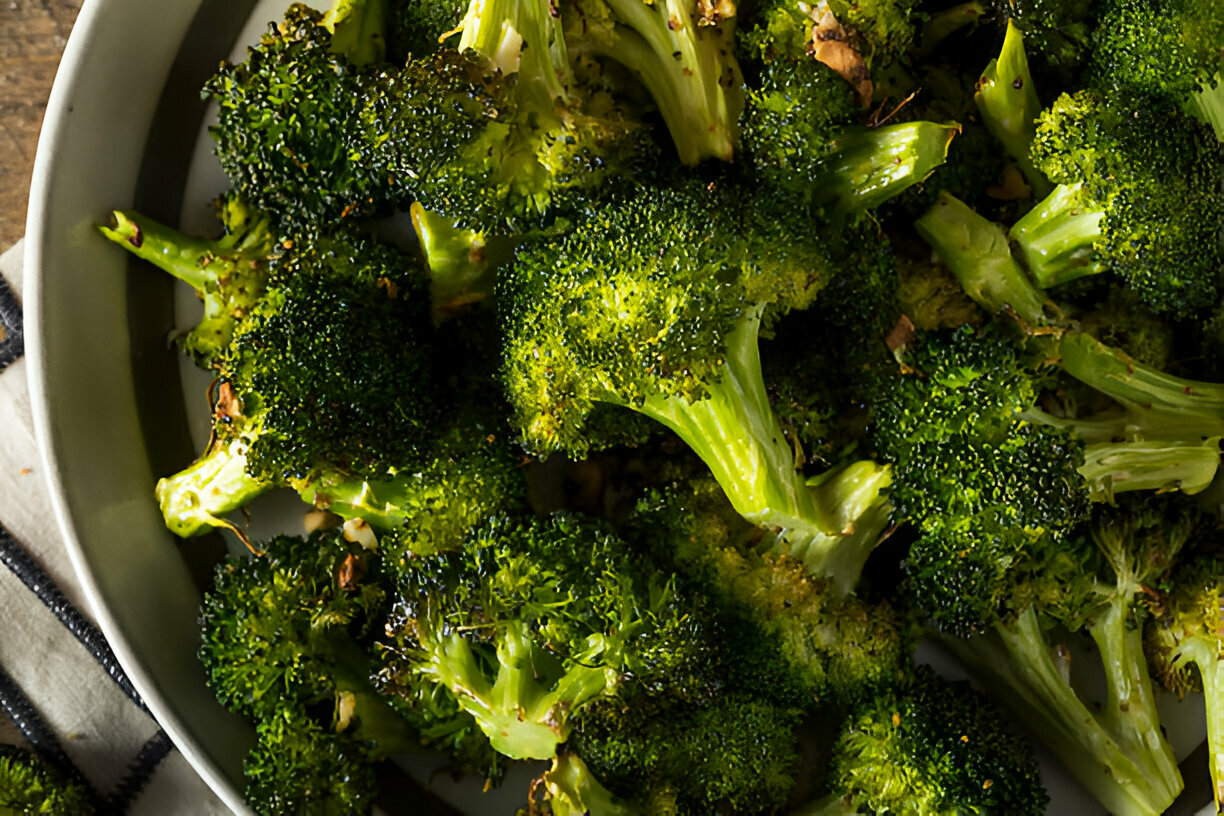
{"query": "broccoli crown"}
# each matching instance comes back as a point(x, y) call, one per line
point(738, 752)
point(1183, 640)
point(788, 631)
point(981, 481)
point(1152, 172)
point(934, 747)
point(533, 618)
point(329, 369)
point(279, 628)
point(884, 27)
point(793, 114)
point(28, 785)
point(303, 133)
point(1168, 48)
point(299, 766)
point(637, 301)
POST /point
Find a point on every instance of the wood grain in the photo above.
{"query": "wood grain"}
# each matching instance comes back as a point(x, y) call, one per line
point(32, 38)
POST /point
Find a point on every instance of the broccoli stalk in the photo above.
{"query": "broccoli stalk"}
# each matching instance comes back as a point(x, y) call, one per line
point(683, 53)
point(1184, 641)
point(520, 37)
point(1017, 660)
point(570, 789)
point(199, 497)
point(1056, 237)
point(1007, 99)
point(734, 431)
point(229, 274)
point(868, 167)
point(522, 710)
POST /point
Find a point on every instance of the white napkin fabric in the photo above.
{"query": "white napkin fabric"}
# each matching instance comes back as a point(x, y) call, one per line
point(60, 684)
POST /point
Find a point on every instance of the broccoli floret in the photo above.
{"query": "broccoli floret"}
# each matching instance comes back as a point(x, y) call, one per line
point(1185, 639)
point(416, 28)
point(28, 785)
point(229, 274)
point(739, 752)
point(327, 372)
point(534, 618)
point(799, 132)
point(987, 474)
point(1138, 196)
point(814, 642)
point(683, 52)
point(1167, 48)
point(654, 304)
point(300, 766)
point(930, 747)
point(1091, 582)
point(288, 640)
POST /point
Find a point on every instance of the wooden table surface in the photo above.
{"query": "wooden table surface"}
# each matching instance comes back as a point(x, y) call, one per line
point(32, 37)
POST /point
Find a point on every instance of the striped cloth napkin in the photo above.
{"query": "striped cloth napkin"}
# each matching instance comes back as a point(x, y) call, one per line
point(60, 684)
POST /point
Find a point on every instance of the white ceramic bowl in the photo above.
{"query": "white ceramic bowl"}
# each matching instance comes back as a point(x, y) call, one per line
point(123, 129)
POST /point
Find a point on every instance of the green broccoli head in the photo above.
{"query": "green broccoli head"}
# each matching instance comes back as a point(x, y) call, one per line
point(1140, 197)
point(28, 785)
point(416, 28)
point(281, 629)
point(1164, 48)
point(329, 370)
point(301, 129)
point(980, 480)
point(739, 752)
point(931, 747)
point(300, 766)
point(534, 618)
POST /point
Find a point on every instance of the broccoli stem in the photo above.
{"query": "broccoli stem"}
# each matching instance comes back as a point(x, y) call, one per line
point(572, 790)
point(857, 500)
point(357, 28)
point(975, 249)
point(735, 432)
point(376, 720)
point(522, 718)
point(520, 37)
point(197, 499)
point(1121, 467)
point(688, 68)
point(1016, 663)
point(1208, 104)
point(1129, 713)
point(1200, 405)
point(1206, 656)
point(1007, 100)
point(1056, 238)
point(460, 269)
point(196, 262)
point(869, 166)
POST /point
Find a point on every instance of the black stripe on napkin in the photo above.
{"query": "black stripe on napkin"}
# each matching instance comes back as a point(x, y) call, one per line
point(140, 771)
point(18, 708)
point(12, 331)
point(39, 583)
